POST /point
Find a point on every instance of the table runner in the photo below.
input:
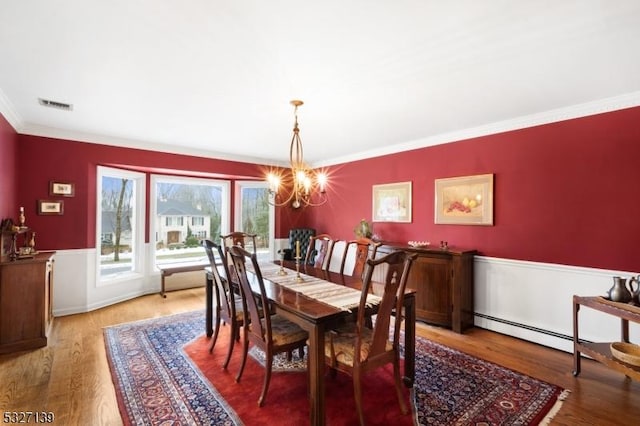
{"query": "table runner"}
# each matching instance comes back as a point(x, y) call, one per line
point(336, 295)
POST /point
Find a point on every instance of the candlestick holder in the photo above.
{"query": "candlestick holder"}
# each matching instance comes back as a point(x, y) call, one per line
point(299, 278)
point(282, 272)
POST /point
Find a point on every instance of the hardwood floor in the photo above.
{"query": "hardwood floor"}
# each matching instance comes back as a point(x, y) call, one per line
point(70, 377)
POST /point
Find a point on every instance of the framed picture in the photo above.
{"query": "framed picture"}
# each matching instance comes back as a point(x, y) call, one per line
point(465, 200)
point(50, 207)
point(392, 202)
point(63, 189)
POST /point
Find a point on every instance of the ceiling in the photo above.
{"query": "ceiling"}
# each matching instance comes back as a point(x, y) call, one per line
point(215, 77)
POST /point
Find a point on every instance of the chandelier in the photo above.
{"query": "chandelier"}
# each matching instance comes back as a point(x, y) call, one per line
point(301, 186)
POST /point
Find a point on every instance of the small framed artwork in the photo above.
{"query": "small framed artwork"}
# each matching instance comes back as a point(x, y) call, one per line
point(50, 207)
point(464, 200)
point(392, 202)
point(63, 189)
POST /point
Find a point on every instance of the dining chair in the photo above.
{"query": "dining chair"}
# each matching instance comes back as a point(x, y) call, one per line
point(354, 348)
point(300, 235)
point(238, 238)
point(337, 252)
point(319, 252)
point(271, 333)
point(229, 307)
point(365, 248)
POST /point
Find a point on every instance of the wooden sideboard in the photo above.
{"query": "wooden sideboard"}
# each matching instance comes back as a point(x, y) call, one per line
point(443, 281)
point(25, 302)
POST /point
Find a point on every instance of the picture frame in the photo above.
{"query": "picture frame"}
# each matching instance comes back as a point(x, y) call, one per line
point(464, 200)
point(62, 189)
point(51, 207)
point(392, 202)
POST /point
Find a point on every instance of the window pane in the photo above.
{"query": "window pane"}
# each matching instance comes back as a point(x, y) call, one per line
point(117, 226)
point(254, 216)
point(187, 211)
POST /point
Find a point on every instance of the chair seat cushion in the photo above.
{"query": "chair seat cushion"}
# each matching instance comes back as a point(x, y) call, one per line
point(343, 340)
point(285, 332)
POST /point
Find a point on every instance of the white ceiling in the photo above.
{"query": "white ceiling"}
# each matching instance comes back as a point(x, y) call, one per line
point(215, 77)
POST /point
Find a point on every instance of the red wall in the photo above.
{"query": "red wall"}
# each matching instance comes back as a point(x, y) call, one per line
point(44, 159)
point(566, 193)
point(8, 184)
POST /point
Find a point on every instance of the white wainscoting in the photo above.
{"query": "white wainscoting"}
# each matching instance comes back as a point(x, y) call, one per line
point(528, 300)
point(76, 290)
point(512, 296)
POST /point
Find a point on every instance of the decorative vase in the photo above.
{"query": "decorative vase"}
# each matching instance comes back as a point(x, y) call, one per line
point(619, 292)
point(363, 229)
point(21, 218)
point(32, 242)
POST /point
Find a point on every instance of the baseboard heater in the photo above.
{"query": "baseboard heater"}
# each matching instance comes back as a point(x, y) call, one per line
point(525, 326)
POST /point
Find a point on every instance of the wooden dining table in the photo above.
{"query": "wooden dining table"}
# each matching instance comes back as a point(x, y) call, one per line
point(316, 318)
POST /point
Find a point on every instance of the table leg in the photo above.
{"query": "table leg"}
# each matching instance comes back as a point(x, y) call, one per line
point(576, 339)
point(162, 275)
point(316, 375)
point(409, 340)
point(624, 330)
point(209, 303)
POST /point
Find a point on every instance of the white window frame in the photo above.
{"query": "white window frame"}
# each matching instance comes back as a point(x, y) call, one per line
point(137, 225)
point(238, 210)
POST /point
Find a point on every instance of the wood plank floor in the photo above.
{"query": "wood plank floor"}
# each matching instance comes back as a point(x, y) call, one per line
point(71, 378)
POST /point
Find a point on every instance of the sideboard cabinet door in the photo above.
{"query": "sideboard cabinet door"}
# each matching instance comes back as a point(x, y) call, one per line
point(25, 302)
point(443, 282)
point(429, 276)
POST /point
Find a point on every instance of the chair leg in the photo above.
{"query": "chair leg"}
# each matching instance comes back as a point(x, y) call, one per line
point(301, 352)
point(245, 350)
point(368, 322)
point(357, 393)
point(396, 375)
point(234, 330)
point(267, 377)
point(215, 331)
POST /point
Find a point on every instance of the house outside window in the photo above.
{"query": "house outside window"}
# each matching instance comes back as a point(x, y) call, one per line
point(183, 212)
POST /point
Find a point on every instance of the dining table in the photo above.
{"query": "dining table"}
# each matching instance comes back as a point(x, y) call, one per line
point(318, 317)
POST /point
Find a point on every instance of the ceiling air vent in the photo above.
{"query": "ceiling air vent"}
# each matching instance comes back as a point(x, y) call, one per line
point(55, 104)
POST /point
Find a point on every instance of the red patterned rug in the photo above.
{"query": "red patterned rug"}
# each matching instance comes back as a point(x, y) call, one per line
point(163, 374)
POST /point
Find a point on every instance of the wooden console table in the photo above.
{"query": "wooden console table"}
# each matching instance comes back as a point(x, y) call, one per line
point(175, 268)
point(601, 351)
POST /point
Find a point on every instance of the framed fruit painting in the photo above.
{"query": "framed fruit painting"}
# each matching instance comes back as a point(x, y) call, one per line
point(464, 200)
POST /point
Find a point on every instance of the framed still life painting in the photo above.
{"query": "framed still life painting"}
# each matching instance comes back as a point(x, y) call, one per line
point(392, 202)
point(465, 200)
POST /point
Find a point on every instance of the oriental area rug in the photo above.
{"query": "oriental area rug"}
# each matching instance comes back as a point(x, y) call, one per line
point(163, 374)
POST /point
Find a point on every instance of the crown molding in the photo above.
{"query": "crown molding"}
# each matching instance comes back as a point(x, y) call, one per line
point(9, 112)
point(57, 133)
point(628, 100)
